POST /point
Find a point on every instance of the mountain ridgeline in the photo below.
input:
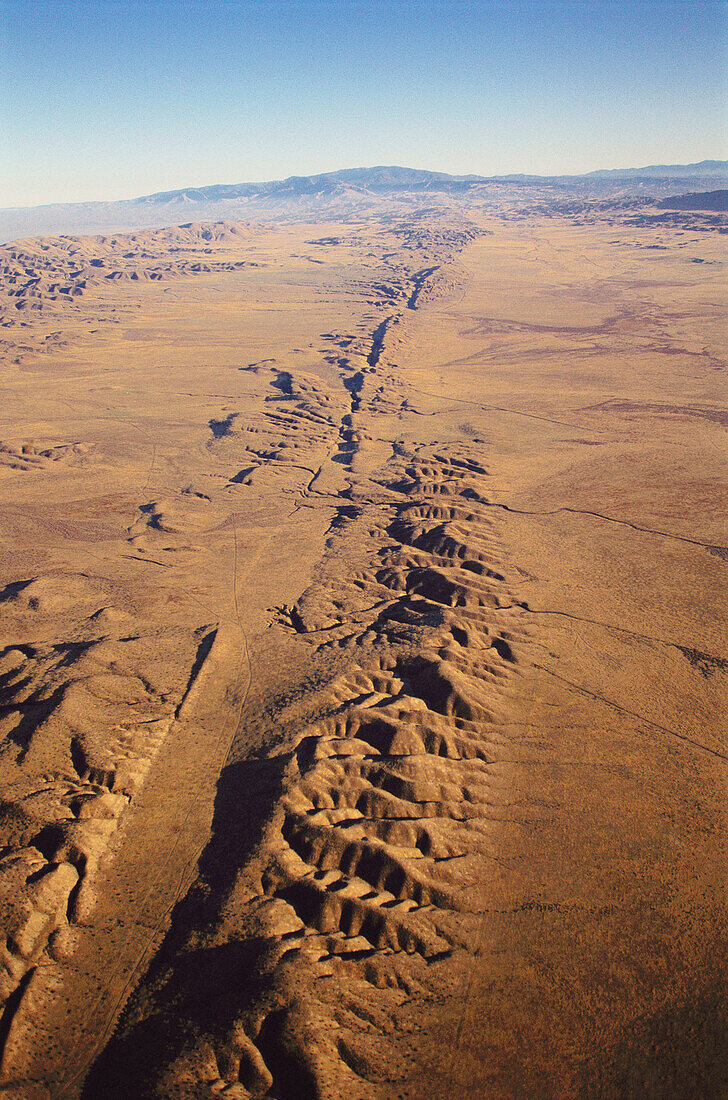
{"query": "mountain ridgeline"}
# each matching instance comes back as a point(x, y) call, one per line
point(358, 192)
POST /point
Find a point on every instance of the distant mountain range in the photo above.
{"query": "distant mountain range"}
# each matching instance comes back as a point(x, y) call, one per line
point(354, 192)
point(706, 169)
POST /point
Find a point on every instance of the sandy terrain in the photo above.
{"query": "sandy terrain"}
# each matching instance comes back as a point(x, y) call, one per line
point(364, 660)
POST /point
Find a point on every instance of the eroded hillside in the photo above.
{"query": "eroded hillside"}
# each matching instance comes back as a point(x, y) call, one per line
point(364, 660)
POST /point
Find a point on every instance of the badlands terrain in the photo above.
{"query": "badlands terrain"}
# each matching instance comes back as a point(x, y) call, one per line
point(364, 658)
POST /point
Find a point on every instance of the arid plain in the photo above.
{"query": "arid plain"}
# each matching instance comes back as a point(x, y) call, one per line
point(364, 660)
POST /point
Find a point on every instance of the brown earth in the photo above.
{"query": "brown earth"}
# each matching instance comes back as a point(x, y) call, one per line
point(363, 661)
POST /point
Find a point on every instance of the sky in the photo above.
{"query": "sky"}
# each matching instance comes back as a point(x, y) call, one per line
point(109, 99)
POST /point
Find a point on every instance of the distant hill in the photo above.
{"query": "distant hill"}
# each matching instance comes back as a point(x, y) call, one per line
point(379, 180)
point(702, 200)
point(387, 180)
point(353, 193)
point(707, 169)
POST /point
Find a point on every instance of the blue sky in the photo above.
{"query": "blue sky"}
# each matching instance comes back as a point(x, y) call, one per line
point(108, 99)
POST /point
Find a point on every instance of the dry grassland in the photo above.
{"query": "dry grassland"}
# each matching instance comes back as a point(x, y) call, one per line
point(363, 662)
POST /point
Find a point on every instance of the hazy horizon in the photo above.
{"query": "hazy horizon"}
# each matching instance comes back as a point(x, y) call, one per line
point(336, 171)
point(364, 549)
point(135, 99)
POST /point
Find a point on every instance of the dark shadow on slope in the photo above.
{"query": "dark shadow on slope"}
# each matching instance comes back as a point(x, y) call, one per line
point(196, 991)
